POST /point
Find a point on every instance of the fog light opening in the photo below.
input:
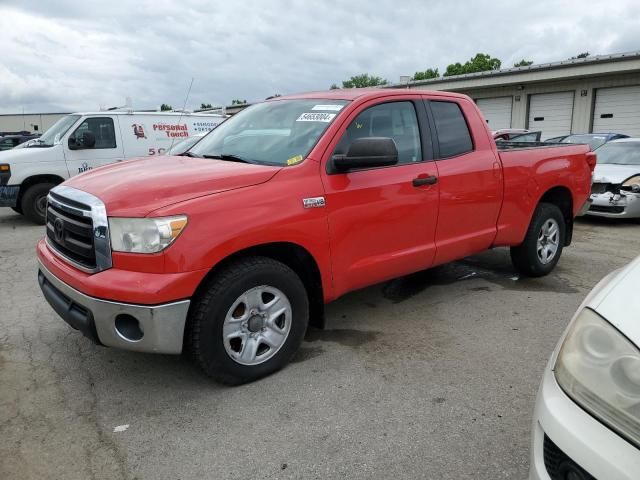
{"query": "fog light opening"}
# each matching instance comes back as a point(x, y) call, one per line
point(128, 327)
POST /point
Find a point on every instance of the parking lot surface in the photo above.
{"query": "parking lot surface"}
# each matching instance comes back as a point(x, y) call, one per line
point(429, 376)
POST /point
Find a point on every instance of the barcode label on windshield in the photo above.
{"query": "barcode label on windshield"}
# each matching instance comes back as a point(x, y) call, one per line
point(316, 117)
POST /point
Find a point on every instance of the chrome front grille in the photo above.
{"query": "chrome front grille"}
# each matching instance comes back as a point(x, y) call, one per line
point(77, 229)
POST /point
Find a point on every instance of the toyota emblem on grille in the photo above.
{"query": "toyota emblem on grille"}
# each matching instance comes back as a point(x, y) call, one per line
point(58, 230)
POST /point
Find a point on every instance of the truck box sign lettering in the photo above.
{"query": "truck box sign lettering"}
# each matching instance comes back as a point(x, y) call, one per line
point(172, 131)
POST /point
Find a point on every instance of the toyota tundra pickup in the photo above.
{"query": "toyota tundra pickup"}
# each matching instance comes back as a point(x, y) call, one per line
point(230, 250)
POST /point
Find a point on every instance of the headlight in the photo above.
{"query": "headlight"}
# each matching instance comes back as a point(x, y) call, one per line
point(632, 183)
point(145, 235)
point(600, 370)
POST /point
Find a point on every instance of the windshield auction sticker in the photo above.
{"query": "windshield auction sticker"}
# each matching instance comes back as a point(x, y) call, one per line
point(330, 108)
point(316, 117)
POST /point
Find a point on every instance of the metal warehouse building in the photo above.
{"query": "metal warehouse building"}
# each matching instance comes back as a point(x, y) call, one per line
point(30, 122)
point(593, 94)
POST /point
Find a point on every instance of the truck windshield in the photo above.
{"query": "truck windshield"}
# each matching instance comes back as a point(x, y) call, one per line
point(280, 132)
point(619, 153)
point(55, 132)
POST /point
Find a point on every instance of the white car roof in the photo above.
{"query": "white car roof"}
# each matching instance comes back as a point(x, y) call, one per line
point(625, 140)
point(168, 114)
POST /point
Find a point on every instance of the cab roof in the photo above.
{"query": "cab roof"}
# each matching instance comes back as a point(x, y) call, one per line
point(364, 93)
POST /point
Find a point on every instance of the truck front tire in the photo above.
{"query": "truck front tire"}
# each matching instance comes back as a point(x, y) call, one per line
point(34, 202)
point(248, 321)
point(542, 246)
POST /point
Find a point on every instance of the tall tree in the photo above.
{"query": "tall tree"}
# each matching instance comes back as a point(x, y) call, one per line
point(334, 87)
point(426, 75)
point(580, 55)
point(165, 108)
point(523, 63)
point(482, 62)
point(363, 80)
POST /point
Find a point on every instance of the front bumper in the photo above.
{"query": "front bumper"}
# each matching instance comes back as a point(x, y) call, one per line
point(143, 328)
point(611, 205)
point(586, 441)
point(9, 195)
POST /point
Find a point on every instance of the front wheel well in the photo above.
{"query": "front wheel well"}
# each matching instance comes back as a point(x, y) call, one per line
point(562, 198)
point(34, 180)
point(295, 257)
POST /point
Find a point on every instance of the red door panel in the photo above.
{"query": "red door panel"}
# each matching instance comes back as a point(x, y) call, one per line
point(381, 225)
point(470, 194)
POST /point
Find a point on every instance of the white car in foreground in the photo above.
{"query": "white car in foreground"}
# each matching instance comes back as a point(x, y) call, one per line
point(587, 415)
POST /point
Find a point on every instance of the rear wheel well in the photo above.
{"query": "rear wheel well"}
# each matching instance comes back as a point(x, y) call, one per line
point(295, 257)
point(562, 198)
point(34, 180)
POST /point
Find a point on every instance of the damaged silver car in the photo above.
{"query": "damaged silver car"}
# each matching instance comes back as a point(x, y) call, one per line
point(616, 180)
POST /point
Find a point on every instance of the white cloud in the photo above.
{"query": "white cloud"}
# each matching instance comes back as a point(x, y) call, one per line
point(63, 55)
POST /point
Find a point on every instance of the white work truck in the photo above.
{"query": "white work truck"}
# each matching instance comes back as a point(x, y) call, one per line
point(82, 141)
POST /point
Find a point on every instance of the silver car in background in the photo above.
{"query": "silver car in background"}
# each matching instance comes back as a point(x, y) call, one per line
point(616, 180)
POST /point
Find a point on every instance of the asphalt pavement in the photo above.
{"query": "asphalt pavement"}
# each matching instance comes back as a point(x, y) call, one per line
point(433, 375)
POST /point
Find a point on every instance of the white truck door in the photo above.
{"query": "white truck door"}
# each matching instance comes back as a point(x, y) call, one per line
point(95, 142)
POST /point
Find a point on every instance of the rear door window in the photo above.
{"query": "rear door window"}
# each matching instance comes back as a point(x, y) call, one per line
point(452, 130)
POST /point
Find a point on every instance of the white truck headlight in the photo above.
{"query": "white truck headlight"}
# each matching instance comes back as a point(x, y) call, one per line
point(600, 370)
point(145, 235)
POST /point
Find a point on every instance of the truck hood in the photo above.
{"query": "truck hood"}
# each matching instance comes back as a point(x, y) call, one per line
point(16, 156)
point(618, 301)
point(137, 187)
point(611, 173)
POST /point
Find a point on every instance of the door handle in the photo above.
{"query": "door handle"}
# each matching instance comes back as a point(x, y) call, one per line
point(427, 180)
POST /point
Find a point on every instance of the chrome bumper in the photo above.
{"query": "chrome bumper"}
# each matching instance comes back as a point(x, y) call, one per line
point(143, 328)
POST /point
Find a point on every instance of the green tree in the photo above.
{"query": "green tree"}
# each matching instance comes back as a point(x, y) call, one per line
point(165, 108)
point(204, 106)
point(523, 63)
point(334, 87)
point(363, 80)
point(238, 101)
point(426, 75)
point(482, 62)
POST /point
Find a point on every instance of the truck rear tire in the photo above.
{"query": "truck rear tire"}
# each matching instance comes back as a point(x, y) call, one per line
point(542, 246)
point(34, 202)
point(248, 321)
point(17, 210)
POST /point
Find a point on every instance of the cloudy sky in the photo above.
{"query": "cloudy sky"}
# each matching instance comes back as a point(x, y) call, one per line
point(82, 55)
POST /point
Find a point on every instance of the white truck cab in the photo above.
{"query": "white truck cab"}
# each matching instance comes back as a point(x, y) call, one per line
point(82, 141)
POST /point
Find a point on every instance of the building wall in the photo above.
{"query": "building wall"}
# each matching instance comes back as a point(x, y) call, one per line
point(28, 122)
point(584, 95)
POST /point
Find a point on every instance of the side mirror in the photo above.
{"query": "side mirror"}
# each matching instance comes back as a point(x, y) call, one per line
point(366, 152)
point(87, 140)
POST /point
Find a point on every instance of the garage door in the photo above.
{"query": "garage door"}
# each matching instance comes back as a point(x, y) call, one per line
point(497, 111)
point(551, 113)
point(617, 110)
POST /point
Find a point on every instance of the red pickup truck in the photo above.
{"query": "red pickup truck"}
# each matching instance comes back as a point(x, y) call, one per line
point(229, 251)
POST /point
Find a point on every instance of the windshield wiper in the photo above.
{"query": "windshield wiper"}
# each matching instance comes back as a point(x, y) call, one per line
point(228, 157)
point(189, 154)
